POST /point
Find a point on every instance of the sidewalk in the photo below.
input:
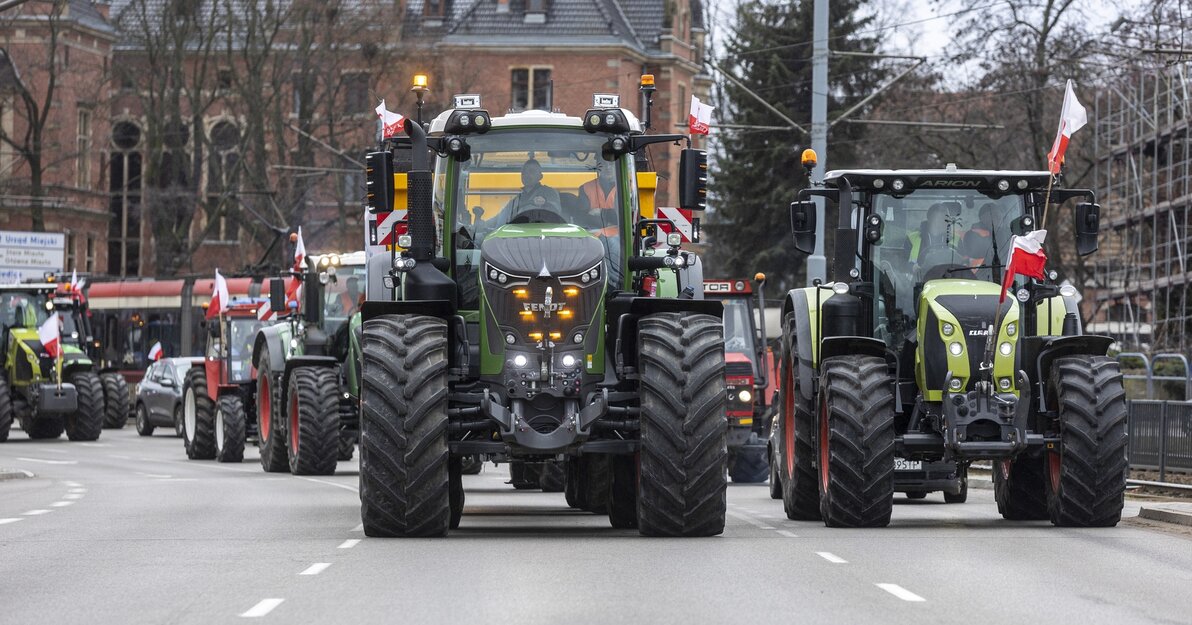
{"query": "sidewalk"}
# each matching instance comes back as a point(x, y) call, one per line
point(13, 474)
point(1178, 513)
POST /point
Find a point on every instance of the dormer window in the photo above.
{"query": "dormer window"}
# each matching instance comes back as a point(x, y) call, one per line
point(536, 11)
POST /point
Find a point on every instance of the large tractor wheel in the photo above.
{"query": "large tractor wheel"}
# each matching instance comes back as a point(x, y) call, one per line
point(456, 487)
point(800, 484)
point(86, 423)
point(145, 427)
point(856, 442)
point(229, 428)
point(313, 410)
point(588, 479)
point(622, 492)
point(404, 481)
point(6, 409)
point(115, 400)
point(523, 476)
point(775, 479)
point(273, 448)
point(43, 428)
point(198, 416)
point(346, 448)
point(749, 466)
point(682, 487)
point(1019, 489)
point(1087, 474)
point(552, 477)
point(961, 496)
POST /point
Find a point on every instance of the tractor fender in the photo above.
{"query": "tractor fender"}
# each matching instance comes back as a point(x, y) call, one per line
point(442, 309)
point(796, 302)
point(1053, 347)
point(859, 345)
point(269, 340)
point(625, 311)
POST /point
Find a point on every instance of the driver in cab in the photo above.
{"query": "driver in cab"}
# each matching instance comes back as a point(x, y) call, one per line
point(534, 194)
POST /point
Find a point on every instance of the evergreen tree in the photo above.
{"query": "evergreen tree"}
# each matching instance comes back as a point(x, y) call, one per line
point(757, 173)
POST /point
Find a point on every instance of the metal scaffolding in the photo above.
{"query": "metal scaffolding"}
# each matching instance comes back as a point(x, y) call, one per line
point(1144, 184)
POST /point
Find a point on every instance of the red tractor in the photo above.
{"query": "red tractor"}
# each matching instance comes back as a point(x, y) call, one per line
point(218, 406)
point(748, 370)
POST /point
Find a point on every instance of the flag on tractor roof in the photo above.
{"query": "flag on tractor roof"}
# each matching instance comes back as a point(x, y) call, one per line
point(392, 123)
point(219, 296)
point(700, 117)
point(1072, 118)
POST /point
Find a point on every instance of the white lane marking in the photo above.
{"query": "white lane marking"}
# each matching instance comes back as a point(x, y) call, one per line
point(77, 490)
point(831, 557)
point(335, 484)
point(72, 484)
point(900, 592)
point(36, 512)
point(358, 528)
point(316, 568)
point(7, 521)
point(788, 534)
point(261, 609)
point(61, 504)
point(94, 445)
point(750, 520)
point(349, 543)
point(73, 496)
point(119, 457)
point(159, 476)
point(43, 461)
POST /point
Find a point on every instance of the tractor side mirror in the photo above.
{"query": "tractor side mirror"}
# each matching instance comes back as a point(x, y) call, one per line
point(693, 179)
point(1022, 225)
point(379, 169)
point(1088, 227)
point(277, 296)
point(803, 225)
point(312, 292)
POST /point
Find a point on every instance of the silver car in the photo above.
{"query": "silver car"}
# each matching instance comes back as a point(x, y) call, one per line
point(159, 395)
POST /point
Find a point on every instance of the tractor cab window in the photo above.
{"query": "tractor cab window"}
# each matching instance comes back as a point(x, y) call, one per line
point(241, 334)
point(738, 327)
point(342, 296)
point(534, 177)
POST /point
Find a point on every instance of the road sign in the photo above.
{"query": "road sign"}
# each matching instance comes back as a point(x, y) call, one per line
point(29, 255)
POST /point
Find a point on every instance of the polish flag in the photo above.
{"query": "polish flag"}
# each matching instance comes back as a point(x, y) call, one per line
point(294, 288)
point(392, 123)
point(299, 251)
point(49, 334)
point(1026, 259)
point(219, 297)
point(1072, 118)
point(155, 352)
point(700, 117)
point(74, 280)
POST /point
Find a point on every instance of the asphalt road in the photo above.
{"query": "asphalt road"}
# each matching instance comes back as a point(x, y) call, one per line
point(126, 530)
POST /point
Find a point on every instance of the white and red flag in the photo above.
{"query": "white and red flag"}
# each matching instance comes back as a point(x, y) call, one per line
point(155, 352)
point(1072, 118)
point(50, 334)
point(700, 118)
point(219, 297)
point(299, 251)
point(294, 288)
point(1026, 258)
point(392, 124)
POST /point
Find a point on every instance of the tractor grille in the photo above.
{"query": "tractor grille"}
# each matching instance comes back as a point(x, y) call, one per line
point(738, 369)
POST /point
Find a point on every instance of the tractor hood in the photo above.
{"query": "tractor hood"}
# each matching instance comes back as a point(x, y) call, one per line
point(954, 320)
point(529, 250)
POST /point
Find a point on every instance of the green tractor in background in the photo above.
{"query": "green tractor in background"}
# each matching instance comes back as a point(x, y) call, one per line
point(910, 353)
point(45, 395)
point(536, 327)
point(307, 385)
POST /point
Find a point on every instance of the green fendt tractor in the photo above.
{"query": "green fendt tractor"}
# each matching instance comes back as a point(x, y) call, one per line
point(910, 353)
point(528, 328)
point(307, 397)
point(45, 395)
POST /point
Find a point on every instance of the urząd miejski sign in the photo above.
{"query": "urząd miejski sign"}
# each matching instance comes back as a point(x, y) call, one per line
point(29, 255)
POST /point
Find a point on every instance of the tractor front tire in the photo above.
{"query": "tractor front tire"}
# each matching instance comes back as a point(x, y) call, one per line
point(856, 442)
point(682, 487)
point(588, 479)
point(115, 400)
point(456, 477)
point(229, 428)
point(272, 447)
point(1019, 489)
point(800, 489)
point(552, 477)
point(198, 416)
point(1087, 474)
point(43, 428)
point(622, 492)
point(404, 479)
point(961, 496)
point(312, 404)
point(750, 466)
point(86, 423)
point(775, 479)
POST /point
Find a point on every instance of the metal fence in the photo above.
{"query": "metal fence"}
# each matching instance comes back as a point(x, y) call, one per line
point(1160, 414)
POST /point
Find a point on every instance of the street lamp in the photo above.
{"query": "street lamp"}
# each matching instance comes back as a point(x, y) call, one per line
point(420, 88)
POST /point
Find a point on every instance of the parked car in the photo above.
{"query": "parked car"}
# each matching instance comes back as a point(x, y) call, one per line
point(159, 395)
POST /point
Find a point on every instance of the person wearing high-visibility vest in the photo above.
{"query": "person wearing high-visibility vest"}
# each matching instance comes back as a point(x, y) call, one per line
point(599, 195)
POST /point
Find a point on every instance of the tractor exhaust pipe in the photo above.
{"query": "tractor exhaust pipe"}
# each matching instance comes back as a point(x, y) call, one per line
point(421, 217)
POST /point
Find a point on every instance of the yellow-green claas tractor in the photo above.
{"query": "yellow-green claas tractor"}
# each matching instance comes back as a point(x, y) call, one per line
point(910, 353)
point(45, 395)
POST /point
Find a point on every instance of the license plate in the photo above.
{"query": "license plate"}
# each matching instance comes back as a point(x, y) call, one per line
point(901, 464)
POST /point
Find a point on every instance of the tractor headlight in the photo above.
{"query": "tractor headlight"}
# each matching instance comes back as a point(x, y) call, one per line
point(520, 360)
point(1023, 295)
point(568, 361)
point(948, 329)
point(745, 396)
point(510, 339)
point(577, 338)
point(898, 185)
point(1068, 290)
point(405, 241)
point(1003, 185)
point(956, 384)
point(1005, 348)
point(674, 239)
point(1004, 384)
point(1011, 329)
point(49, 305)
point(956, 349)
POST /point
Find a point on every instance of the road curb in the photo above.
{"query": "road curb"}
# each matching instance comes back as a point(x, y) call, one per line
point(1179, 514)
point(14, 474)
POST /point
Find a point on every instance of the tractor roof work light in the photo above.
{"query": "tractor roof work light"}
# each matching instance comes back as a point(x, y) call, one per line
point(606, 120)
point(421, 82)
point(809, 159)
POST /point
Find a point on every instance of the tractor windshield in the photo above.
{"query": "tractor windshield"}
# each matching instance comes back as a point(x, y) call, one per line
point(342, 296)
point(242, 331)
point(22, 310)
point(738, 326)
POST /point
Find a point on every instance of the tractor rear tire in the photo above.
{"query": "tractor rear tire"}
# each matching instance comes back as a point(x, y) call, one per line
point(800, 484)
point(622, 492)
point(750, 466)
point(229, 428)
point(682, 484)
point(404, 479)
point(312, 405)
point(198, 416)
point(961, 496)
point(347, 448)
point(592, 476)
point(115, 400)
point(552, 477)
point(42, 428)
point(456, 477)
point(1020, 490)
point(523, 476)
point(775, 479)
point(6, 409)
point(86, 423)
point(272, 448)
point(856, 442)
point(1087, 475)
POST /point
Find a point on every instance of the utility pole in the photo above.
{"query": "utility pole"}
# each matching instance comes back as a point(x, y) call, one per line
point(816, 263)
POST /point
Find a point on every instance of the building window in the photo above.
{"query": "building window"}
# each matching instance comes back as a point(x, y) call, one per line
point(356, 93)
point(222, 180)
point(7, 154)
point(83, 150)
point(124, 203)
point(223, 79)
point(89, 258)
point(434, 8)
point(70, 251)
point(530, 88)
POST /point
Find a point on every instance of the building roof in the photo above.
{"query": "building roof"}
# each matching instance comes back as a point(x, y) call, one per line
point(85, 13)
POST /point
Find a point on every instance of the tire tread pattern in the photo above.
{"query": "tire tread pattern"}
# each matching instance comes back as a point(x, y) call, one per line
point(86, 423)
point(115, 400)
point(800, 491)
point(203, 445)
point(316, 391)
point(231, 412)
